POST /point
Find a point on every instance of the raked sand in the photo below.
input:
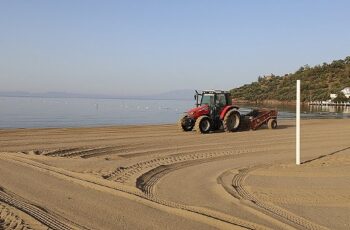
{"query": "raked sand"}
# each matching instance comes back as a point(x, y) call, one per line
point(157, 177)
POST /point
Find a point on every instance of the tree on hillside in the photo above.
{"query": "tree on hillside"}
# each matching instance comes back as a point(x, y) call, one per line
point(317, 83)
point(341, 97)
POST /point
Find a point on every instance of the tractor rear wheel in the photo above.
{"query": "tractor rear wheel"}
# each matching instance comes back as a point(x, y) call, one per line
point(272, 124)
point(185, 123)
point(232, 121)
point(203, 124)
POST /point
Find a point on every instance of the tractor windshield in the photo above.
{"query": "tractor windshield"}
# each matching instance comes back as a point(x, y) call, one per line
point(207, 99)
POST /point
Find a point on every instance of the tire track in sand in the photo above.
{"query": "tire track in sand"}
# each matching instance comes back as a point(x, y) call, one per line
point(86, 152)
point(210, 215)
point(9, 220)
point(147, 181)
point(50, 220)
point(140, 150)
point(268, 208)
point(124, 174)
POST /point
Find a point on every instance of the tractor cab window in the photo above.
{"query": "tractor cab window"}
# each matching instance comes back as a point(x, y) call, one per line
point(221, 99)
point(208, 99)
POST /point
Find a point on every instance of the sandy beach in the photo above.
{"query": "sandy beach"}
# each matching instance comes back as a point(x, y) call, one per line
point(157, 177)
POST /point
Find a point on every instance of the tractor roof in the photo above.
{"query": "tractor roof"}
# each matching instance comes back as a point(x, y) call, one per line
point(215, 91)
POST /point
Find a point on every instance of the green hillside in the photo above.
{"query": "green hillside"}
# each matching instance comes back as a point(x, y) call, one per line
point(316, 84)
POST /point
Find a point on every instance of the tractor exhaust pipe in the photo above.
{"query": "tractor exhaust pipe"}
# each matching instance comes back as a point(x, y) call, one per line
point(196, 98)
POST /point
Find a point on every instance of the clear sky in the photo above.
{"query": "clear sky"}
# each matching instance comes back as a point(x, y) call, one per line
point(145, 47)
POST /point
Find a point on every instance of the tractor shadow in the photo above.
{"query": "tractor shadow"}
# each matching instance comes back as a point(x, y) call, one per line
point(246, 129)
point(264, 127)
point(285, 126)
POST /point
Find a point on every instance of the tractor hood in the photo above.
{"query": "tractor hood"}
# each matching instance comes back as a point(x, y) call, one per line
point(199, 111)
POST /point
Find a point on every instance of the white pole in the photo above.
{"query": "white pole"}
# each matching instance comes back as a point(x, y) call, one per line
point(297, 154)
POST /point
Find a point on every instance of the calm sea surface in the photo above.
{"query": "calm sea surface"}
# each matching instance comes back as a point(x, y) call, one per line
point(25, 112)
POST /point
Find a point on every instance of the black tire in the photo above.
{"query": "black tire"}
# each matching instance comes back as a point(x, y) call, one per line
point(232, 121)
point(185, 123)
point(272, 124)
point(203, 124)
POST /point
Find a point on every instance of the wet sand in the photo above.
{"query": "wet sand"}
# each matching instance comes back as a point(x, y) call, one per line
point(157, 177)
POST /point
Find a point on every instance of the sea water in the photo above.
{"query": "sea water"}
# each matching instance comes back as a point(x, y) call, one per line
point(31, 112)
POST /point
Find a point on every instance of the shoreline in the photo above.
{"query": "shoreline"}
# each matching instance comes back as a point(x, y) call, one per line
point(91, 126)
point(150, 124)
point(268, 102)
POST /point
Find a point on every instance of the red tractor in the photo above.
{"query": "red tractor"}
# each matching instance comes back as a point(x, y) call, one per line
point(213, 111)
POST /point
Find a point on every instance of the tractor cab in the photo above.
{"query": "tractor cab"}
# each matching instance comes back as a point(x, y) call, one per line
point(215, 101)
point(213, 98)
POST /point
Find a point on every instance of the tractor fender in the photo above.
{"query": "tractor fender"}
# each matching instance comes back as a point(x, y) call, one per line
point(226, 109)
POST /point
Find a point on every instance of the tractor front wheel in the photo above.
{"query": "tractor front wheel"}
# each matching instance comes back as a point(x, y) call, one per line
point(232, 121)
point(203, 124)
point(185, 123)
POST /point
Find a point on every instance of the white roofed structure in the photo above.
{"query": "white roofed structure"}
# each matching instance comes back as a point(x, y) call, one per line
point(346, 92)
